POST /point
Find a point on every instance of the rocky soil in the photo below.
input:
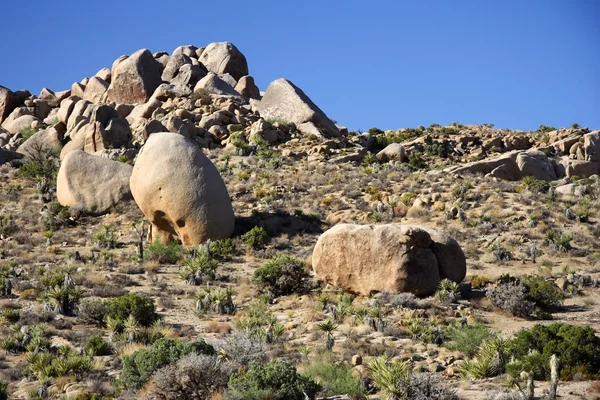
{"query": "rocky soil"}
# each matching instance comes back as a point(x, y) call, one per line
point(82, 198)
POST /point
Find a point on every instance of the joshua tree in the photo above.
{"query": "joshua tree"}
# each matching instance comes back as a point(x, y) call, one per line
point(328, 328)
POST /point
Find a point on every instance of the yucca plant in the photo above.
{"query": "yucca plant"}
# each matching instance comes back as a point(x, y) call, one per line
point(448, 291)
point(323, 300)
point(328, 327)
point(490, 361)
point(200, 268)
point(131, 328)
point(391, 378)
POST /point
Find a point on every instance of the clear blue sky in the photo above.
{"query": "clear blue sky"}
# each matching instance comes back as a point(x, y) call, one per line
point(390, 64)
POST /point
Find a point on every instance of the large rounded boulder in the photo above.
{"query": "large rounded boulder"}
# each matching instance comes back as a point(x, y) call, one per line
point(224, 58)
point(180, 191)
point(366, 259)
point(92, 184)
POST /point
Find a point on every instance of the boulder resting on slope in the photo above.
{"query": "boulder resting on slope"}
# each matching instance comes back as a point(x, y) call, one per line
point(365, 259)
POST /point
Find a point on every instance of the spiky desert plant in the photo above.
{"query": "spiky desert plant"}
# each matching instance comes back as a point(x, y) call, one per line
point(131, 329)
point(328, 327)
point(490, 360)
point(391, 378)
point(323, 300)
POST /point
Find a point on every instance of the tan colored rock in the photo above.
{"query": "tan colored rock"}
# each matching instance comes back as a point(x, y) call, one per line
point(23, 122)
point(77, 89)
point(135, 78)
point(224, 58)
point(50, 138)
point(392, 152)
point(95, 89)
point(195, 206)
point(92, 184)
point(364, 259)
point(247, 88)
point(285, 101)
point(49, 97)
point(591, 146)
point(536, 164)
point(7, 102)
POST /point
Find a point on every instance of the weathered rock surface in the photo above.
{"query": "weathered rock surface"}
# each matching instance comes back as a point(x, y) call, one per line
point(392, 152)
point(364, 259)
point(285, 101)
point(224, 58)
point(195, 206)
point(7, 102)
point(215, 85)
point(247, 88)
point(92, 184)
point(135, 78)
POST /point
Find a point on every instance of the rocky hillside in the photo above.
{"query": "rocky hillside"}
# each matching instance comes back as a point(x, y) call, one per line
point(168, 230)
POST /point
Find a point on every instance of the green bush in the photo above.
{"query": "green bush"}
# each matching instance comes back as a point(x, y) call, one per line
point(256, 238)
point(140, 307)
point(543, 293)
point(163, 253)
point(139, 366)
point(3, 390)
point(93, 311)
point(335, 379)
point(415, 161)
point(41, 164)
point(276, 380)
point(467, 339)
point(282, 275)
point(577, 348)
point(223, 248)
point(97, 346)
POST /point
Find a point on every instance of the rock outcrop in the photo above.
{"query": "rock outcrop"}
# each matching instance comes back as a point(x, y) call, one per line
point(364, 259)
point(92, 184)
point(134, 79)
point(224, 58)
point(285, 101)
point(180, 191)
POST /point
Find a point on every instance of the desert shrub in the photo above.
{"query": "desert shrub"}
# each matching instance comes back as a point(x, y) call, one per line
point(140, 307)
point(512, 298)
point(577, 347)
point(258, 323)
point(545, 294)
point(57, 216)
point(244, 350)
point(429, 387)
point(559, 241)
point(215, 299)
point(222, 248)
point(282, 275)
point(467, 339)
point(396, 381)
point(201, 94)
point(97, 346)
point(490, 360)
point(106, 238)
point(501, 254)
point(3, 390)
point(448, 291)
point(415, 161)
point(57, 362)
point(41, 164)
point(195, 376)
point(139, 366)
point(8, 226)
point(397, 300)
point(535, 185)
point(479, 281)
point(334, 378)
point(200, 268)
point(163, 253)
point(256, 238)
point(93, 311)
point(276, 380)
